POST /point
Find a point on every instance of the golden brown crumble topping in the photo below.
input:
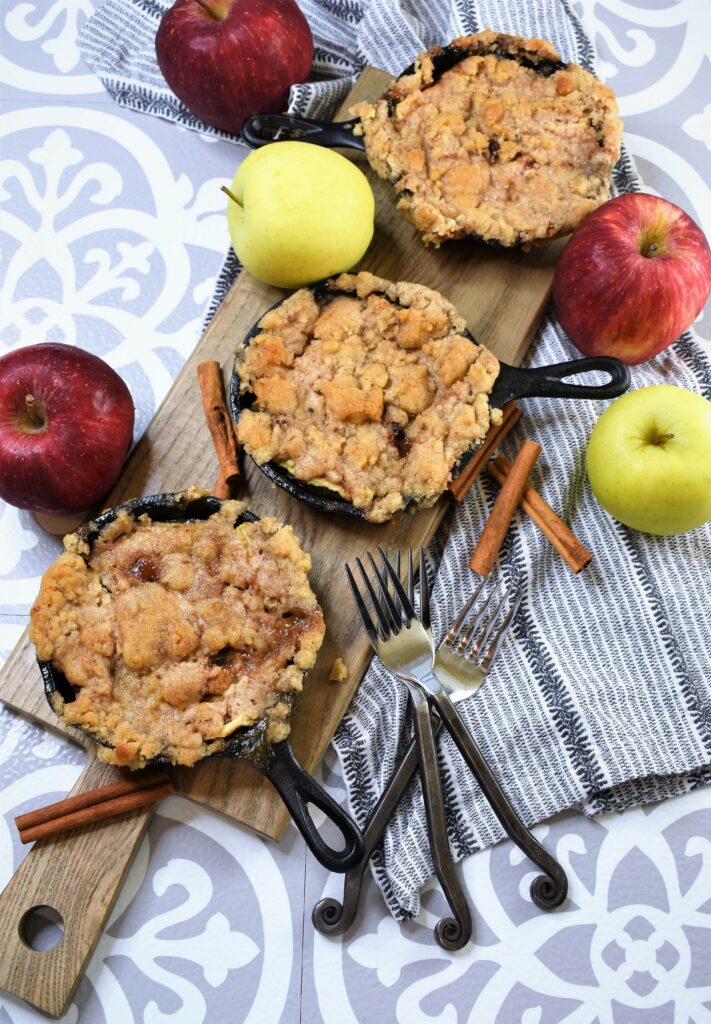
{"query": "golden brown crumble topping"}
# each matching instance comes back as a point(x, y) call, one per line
point(174, 635)
point(375, 393)
point(339, 671)
point(504, 145)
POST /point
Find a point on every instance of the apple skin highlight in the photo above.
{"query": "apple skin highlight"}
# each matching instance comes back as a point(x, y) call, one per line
point(649, 459)
point(62, 452)
point(632, 278)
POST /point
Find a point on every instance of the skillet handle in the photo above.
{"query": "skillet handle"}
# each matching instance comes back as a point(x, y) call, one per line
point(297, 788)
point(547, 381)
point(259, 129)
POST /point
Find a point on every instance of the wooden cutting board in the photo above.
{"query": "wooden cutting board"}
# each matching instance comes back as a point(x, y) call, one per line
point(502, 295)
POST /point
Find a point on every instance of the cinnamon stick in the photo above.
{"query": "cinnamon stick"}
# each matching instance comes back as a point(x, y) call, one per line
point(505, 505)
point(463, 481)
point(551, 526)
point(221, 488)
point(219, 423)
point(92, 806)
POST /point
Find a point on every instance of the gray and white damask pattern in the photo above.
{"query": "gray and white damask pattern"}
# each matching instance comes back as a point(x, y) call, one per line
point(111, 234)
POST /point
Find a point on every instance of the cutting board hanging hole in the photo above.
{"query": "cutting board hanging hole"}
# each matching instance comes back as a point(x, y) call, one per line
point(41, 928)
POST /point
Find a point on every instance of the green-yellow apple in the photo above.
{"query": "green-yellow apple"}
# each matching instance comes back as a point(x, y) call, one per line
point(298, 213)
point(649, 459)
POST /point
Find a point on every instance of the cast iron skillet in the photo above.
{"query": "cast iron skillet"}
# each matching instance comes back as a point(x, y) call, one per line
point(513, 382)
point(276, 761)
point(259, 129)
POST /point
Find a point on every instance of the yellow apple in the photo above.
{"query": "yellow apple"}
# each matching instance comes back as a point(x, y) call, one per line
point(298, 213)
point(649, 459)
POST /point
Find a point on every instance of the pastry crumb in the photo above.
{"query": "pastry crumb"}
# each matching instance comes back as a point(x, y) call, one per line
point(339, 671)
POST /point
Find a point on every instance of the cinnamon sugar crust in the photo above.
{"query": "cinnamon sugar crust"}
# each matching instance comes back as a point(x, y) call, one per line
point(174, 635)
point(374, 392)
point(510, 145)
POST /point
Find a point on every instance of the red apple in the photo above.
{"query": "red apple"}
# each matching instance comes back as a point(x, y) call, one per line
point(227, 59)
point(634, 275)
point(66, 423)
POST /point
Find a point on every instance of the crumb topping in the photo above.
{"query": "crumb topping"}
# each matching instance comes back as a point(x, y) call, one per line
point(174, 635)
point(509, 145)
point(339, 671)
point(375, 393)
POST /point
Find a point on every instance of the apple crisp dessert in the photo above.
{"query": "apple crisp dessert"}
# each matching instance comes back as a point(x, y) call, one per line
point(374, 391)
point(174, 635)
point(509, 145)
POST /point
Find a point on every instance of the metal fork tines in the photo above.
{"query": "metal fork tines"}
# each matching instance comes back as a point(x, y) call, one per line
point(470, 644)
point(461, 664)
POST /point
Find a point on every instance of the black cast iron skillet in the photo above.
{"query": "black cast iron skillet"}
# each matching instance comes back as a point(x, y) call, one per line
point(276, 761)
point(513, 382)
point(260, 129)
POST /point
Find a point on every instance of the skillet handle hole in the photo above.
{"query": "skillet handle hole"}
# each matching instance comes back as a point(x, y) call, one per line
point(330, 832)
point(41, 928)
point(588, 378)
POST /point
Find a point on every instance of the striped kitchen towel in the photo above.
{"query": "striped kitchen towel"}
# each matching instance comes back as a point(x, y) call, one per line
point(601, 694)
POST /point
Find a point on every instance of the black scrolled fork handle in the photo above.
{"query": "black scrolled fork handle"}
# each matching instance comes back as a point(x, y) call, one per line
point(549, 381)
point(547, 890)
point(297, 789)
point(329, 916)
point(333, 918)
point(261, 129)
point(451, 932)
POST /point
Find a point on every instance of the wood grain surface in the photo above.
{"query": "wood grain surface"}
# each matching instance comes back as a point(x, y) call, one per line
point(79, 875)
point(502, 295)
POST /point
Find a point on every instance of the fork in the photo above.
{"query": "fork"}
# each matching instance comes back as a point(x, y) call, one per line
point(329, 916)
point(453, 665)
point(407, 652)
point(549, 889)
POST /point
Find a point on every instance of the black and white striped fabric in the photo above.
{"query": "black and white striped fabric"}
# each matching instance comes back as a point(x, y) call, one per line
point(601, 695)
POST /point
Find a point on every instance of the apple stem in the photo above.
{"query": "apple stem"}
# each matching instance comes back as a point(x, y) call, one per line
point(208, 10)
point(232, 196)
point(661, 438)
point(32, 411)
point(650, 250)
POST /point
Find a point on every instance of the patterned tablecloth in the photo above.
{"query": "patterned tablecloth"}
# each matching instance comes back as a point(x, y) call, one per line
point(112, 229)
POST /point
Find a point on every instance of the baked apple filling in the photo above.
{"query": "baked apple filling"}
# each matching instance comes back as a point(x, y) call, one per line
point(175, 635)
point(375, 392)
